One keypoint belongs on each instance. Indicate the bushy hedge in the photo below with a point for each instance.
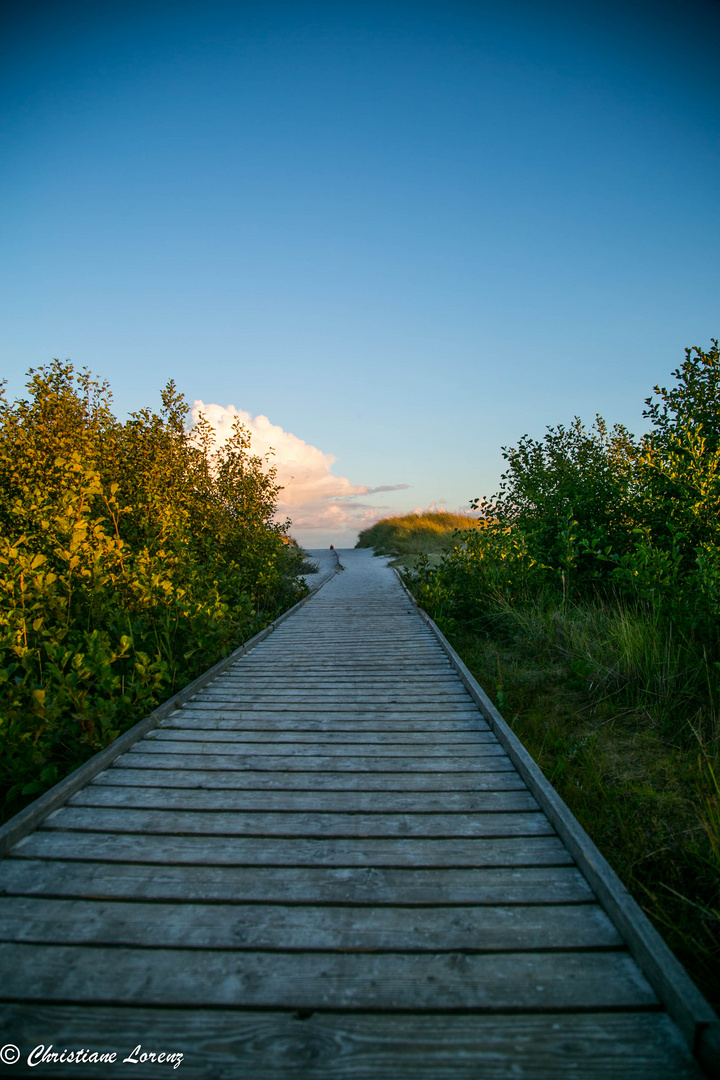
(132, 557)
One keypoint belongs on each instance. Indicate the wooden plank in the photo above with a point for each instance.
(351, 653)
(303, 679)
(318, 744)
(449, 886)
(337, 694)
(492, 982)
(279, 823)
(374, 637)
(336, 630)
(439, 664)
(339, 738)
(300, 928)
(187, 720)
(272, 1045)
(264, 851)
(158, 757)
(502, 777)
(325, 687)
(438, 670)
(450, 709)
(351, 802)
(326, 683)
(374, 642)
(370, 751)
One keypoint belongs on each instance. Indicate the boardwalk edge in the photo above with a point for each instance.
(28, 819)
(695, 1017)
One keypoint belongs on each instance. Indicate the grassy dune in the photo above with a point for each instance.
(415, 534)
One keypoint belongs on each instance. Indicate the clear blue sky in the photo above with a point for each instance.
(406, 232)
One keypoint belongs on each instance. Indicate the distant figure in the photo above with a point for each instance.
(332, 548)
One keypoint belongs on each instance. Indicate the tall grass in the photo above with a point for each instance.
(611, 705)
(416, 534)
(619, 653)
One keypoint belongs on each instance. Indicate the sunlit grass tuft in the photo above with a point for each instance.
(416, 534)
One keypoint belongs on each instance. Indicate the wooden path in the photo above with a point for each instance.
(328, 864)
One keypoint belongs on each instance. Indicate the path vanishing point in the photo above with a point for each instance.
(330, 859)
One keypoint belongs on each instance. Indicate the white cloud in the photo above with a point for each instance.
(438, 507)
(312, 497)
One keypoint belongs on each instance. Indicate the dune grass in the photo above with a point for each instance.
(415, 534)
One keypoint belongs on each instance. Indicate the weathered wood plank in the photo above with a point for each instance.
(501, 778)
(325, 749)
(385, 647)
(158, 757)
(329, 677)
(438, 671)
(227, 1044)
(300, 928)
(448, 886)
(349, 654)
(418, 709)
(439, 665)
(256, 851)
(337, 636)
(279, 823)
(492, 982)
(199, 720)
(350, 802)
(340, 694)
(391, 743)
(356, 666)
(331, 738)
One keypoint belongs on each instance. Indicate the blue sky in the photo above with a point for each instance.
(407, 233)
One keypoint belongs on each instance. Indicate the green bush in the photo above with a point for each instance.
(132, 557)
(588, 514)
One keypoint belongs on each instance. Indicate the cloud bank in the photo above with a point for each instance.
(312, 496)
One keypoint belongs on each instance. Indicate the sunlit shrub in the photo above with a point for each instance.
(132, 557)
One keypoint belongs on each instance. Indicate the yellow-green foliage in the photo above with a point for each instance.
(416, 534)
(132, 556)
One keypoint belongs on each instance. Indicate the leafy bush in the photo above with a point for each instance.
(588, 514)
(132, 557)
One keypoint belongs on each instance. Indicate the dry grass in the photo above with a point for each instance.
(416, 534)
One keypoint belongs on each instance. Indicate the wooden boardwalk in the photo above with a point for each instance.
(328, 864)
